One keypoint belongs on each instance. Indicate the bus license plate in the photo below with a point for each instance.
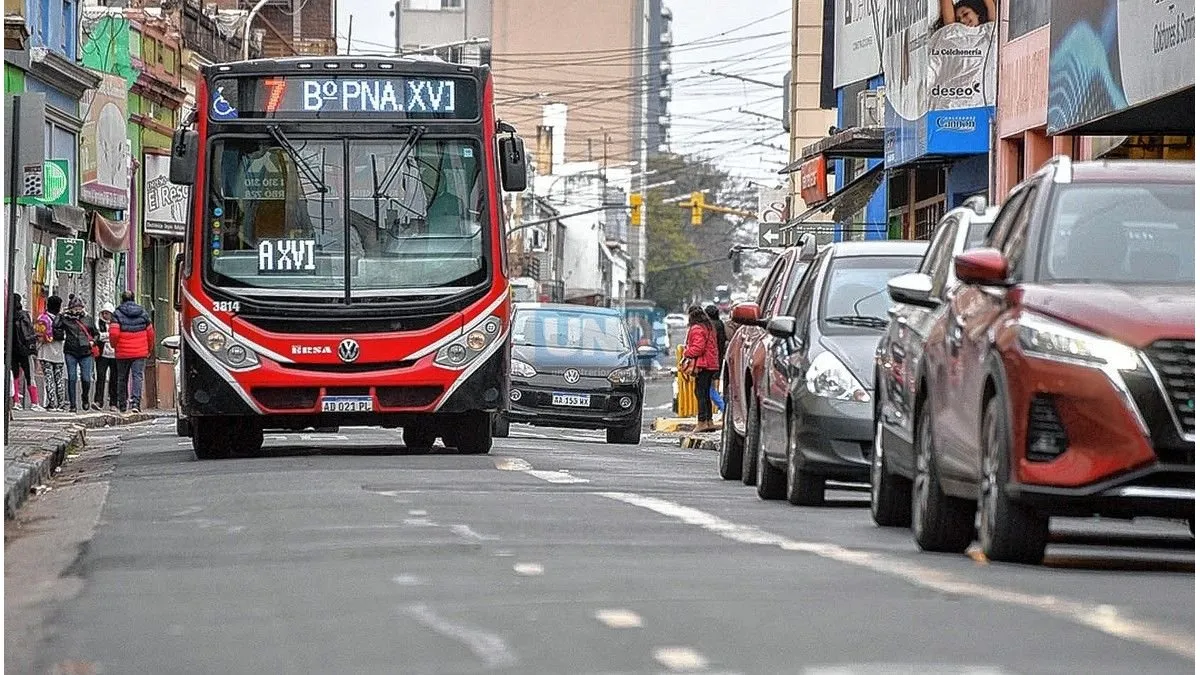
(347, 404)
(572, 400)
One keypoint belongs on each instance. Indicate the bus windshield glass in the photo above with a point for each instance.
(325, 217)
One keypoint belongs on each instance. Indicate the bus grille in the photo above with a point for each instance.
(407, 397)
(286, 398)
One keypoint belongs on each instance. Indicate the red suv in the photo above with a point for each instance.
(1061, 381)
(745, 356)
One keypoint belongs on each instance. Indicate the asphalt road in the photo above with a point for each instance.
(557, 553)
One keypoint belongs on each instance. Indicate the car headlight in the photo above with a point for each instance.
(624, 376)
(469, 346)
(1040, 336)
(828, 377)
(227, 348)
(522, 369)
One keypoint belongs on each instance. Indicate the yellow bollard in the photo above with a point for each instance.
(685, 402)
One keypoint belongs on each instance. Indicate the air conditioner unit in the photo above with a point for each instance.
(870, 107)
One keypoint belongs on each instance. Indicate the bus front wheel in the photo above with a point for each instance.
(472, 434)
(221, 438)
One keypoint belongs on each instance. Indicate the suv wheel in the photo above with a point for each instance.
(891, 495)
(729, 461)
(750, 447)
(1008, 531)
(939, 522)
(772, 483)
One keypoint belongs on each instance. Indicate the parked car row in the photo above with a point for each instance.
(1038, 361)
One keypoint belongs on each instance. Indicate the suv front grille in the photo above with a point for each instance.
(1175, 361)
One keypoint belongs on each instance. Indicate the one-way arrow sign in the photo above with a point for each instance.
(769, 236)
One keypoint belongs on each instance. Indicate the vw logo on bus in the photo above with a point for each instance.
(571, 376)
(348, 350)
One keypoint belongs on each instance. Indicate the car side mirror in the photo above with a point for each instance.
(647, 352)
(185, 153)
(747, 314)
(982, 266)
(512, 162)
(782, 327)
(913, 289)
(170, 342)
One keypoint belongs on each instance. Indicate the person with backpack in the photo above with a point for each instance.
(132, 336)
(50, 355)
(106, 365)
(80, 348)
(25, 345)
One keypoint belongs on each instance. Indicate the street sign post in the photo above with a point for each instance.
(769, 235)
(68, 255)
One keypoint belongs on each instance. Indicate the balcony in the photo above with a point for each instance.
(667, 38)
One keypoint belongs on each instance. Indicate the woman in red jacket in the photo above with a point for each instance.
(702, 348)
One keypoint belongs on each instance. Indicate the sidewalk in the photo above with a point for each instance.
(684, 427)
(38, 443)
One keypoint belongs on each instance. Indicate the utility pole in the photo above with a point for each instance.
(250, 19)
(13, 190)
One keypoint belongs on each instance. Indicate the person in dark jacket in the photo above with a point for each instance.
(79, 337)
(25, 345)
(106, 365)
(722, 336)
(132, 336)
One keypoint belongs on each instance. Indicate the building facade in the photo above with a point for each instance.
(451, 24)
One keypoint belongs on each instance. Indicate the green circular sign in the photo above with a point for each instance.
(54, 183)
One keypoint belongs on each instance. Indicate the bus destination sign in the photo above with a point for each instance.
(343, 96)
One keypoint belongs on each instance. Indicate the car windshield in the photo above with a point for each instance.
(857, 287)
(290, 216)
(1127, 234)
(567, 329)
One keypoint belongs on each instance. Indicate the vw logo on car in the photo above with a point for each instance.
(571, 375)
(348, 350)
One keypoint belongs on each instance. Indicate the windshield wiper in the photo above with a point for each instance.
(402, 156)
(311, 174)
(860, 321)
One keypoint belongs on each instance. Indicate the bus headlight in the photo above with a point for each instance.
(227, 348)
(466, 348)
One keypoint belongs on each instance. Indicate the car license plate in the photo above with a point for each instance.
(572, 400)
(347, 404)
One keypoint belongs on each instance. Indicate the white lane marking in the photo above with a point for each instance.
(560, 477)
(418, 512)
(664, 406)
(408, 580)
(308, 438)
(1103, 618)
(902, 669)
(527, 434)
(529, 569)
(582, 439)
(466, 532)
(489, 648)
(680, 659)
(618, 618)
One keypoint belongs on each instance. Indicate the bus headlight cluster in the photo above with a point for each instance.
(467, 348)
(223, 345)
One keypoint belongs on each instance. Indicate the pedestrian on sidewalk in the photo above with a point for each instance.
(132, 336)
(714, 392)
(25, 347)
(702, 350)
(80, 348)
(50, 355)
(106, 365)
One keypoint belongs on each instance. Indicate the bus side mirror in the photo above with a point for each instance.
(512, 164)
(178, 281)
(185, 152)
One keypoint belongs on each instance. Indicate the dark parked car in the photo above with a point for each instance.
(574, 366)
(921, 303)
(1062, 379)
(815, 406)
(745, 356)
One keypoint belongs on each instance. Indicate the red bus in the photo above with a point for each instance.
(345, 257)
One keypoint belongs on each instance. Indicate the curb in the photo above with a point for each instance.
(695, 442)
(674, 425)
(40, 458)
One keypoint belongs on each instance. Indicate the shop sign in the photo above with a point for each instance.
(934, 62)
(1150, 55)
(1024, 64)
(814, 181)
(103, 147)
(855, 48)
(165, 202)
(68, 255)
(55, 184)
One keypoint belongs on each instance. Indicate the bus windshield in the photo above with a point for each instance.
(329, 217)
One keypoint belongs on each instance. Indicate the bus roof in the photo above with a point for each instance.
(416, 63)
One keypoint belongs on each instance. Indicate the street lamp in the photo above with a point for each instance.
(246, 31)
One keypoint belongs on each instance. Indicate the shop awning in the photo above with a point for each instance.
(61, 220)
(843, 204)
(858, 142)
(112, 235)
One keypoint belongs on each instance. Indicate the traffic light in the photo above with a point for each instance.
(697, 208)
(635, 214)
